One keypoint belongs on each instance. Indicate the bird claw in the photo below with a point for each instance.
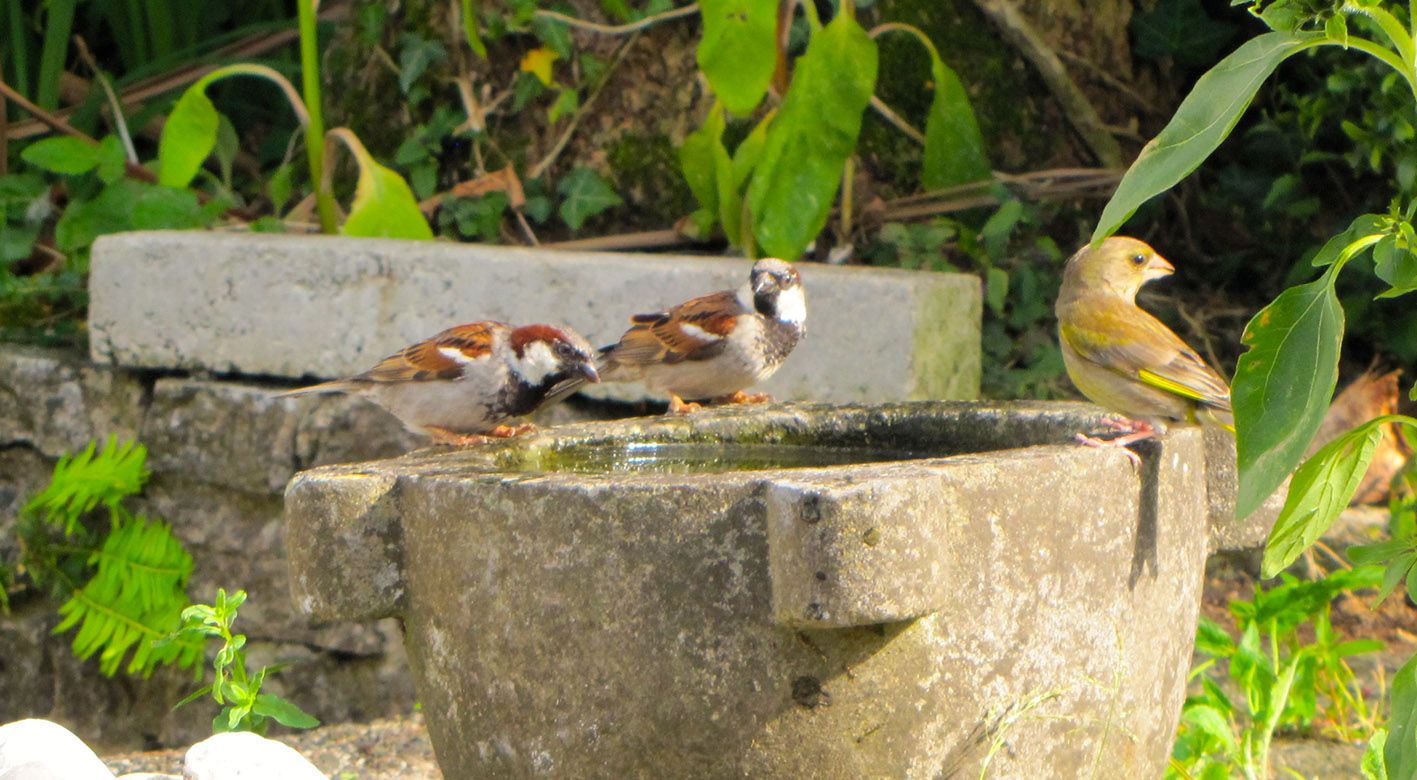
(1117, 443)
(449, 438)
(678, 405)
(741, 397)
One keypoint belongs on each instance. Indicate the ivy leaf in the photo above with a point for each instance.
(416, 53)
(585, 195)
(1321, 488)
(954, 147)
(1203, 120)
(62, 154)
(188, 136)
(567, 101)
(1281, 390)
(383, 204)
(811, 138)
(738, 52)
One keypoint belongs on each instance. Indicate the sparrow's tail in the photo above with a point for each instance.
(337, 386)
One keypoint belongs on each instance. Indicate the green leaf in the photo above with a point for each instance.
(700, 157)
(1395, 264)
(810, 140)
(1321, 488)
(188, 136)
(730, 192)
(1213, 723)
(1283, 385)
(584, 195)
(166, 208)
(567, 101)
(62, 154)
(416, 53)
(383, 204)
(1400, 750)
(470, 31)
(954, 147)
(738, 51)
(112, 159)
(1359, 232)
(1213, 640)
(1374, 767)
(283, 712)
(1203, 120)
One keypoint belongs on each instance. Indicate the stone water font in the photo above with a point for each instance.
(909, 590)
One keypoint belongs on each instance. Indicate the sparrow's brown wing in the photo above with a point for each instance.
(442, 357)
(694, 330)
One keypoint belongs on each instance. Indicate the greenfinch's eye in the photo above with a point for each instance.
(1138, 260)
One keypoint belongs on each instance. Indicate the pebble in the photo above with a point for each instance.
(37, 749)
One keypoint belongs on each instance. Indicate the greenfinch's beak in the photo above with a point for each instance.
(1158, 268)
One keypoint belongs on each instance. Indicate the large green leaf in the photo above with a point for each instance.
(954, 147)
(1321, 488)
(188, 136)
(811, 138)
(1400, 752)
(699, 159)
(383, 204)
(1283, 385)
(1204, 119)
(738, 52)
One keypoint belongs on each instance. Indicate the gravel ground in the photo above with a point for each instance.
(381, 750)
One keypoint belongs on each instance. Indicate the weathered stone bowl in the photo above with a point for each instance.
(990, 593)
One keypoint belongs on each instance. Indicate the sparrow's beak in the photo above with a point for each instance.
(588, 371)
(762, 284)
(1158, 268)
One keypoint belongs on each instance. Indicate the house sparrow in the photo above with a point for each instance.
(462, 385)
(1124, 359)
(717, 345)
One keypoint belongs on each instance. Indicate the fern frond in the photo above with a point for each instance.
(86, 479)
(134, 600)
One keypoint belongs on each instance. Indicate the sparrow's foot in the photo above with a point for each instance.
(741, 397)
(454, 439)
(1093, 441)
(449, 438)
(678, 405)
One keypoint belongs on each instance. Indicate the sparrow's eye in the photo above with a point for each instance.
(1139, 260)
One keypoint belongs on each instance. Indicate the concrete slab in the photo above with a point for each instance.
(319, 306)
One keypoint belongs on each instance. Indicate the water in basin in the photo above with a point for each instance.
(686, 458)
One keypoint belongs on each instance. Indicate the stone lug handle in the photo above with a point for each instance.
(344, 539)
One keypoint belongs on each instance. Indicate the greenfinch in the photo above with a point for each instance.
(1124, 359)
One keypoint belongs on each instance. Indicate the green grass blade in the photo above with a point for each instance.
(58, 24)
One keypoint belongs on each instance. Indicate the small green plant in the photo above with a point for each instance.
(244, 706)
(124, 585)
(775, 191)
(1284, 682)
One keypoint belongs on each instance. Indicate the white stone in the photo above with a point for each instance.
(241, 755)
(38, 749)
(320, 306)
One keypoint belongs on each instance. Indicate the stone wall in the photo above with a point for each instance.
(220, 453)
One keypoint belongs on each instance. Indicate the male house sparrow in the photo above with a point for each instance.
(716, 345)
(1121, 357)
(462, 385)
